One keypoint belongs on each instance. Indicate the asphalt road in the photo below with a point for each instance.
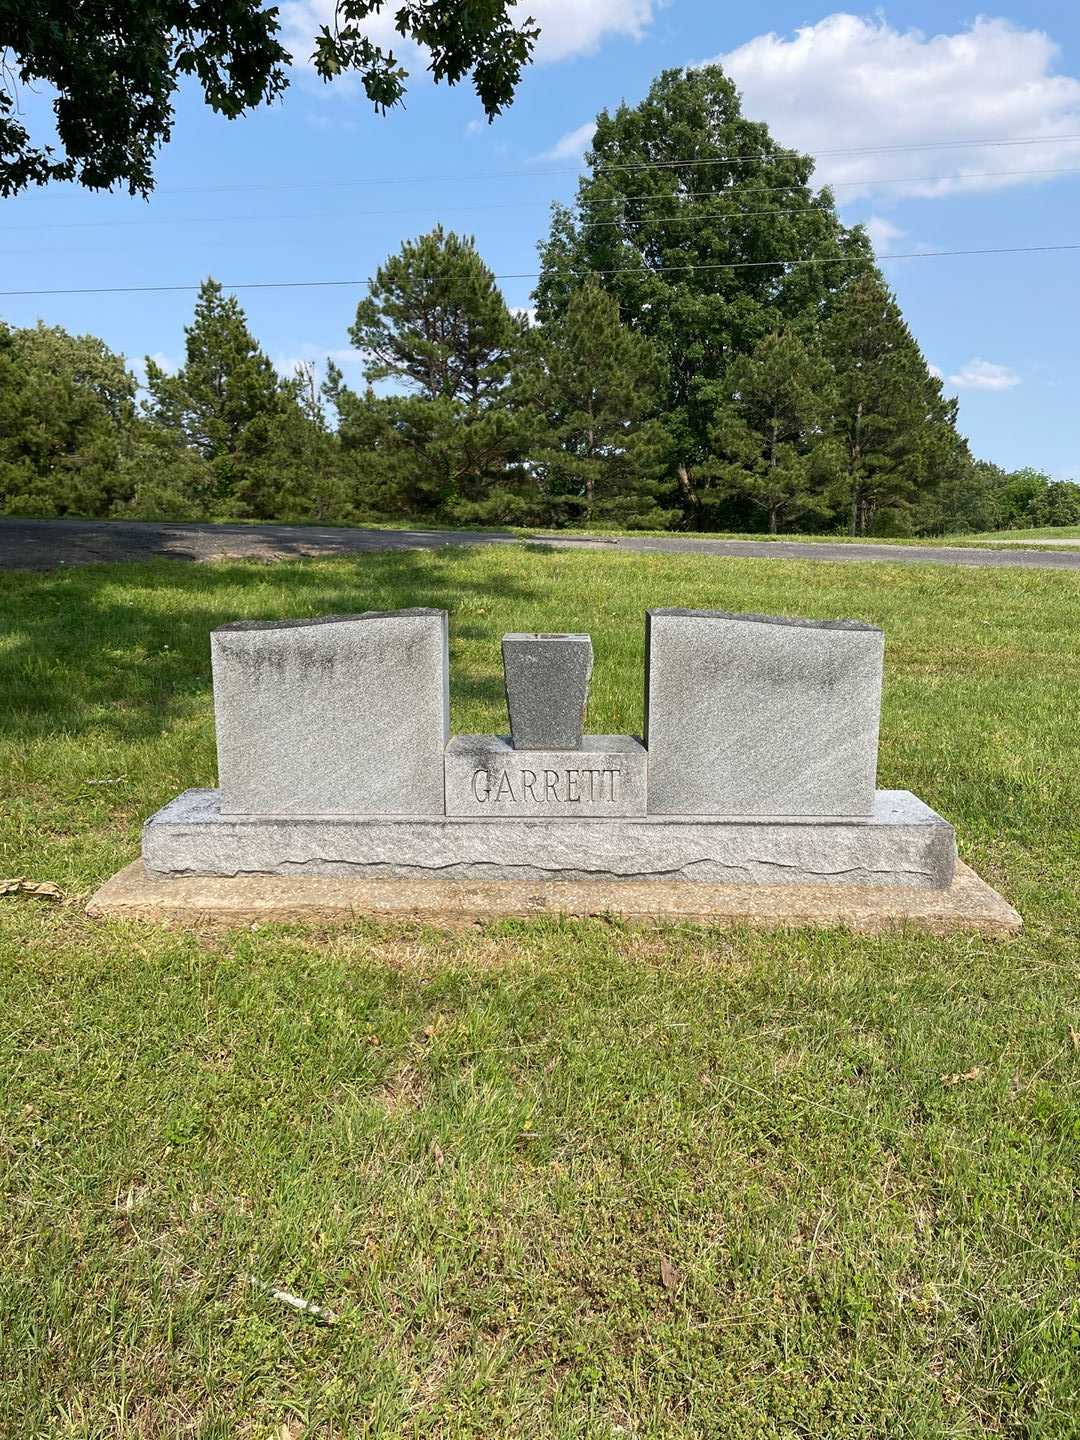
(49, 544)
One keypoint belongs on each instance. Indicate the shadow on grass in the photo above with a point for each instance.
(124, 650)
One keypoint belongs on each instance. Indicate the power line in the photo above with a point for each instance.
(526, 204)
(913, 147)
(535, 274)
(817, 154)
(809, 208)
(538, 174)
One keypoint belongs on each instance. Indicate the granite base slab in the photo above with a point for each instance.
(967, 905)
(902, 843)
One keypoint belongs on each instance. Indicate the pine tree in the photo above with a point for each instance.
(67, 422)
(436, 322)
(889, 416)
(226, 384)
(437, 327)
(378, 474)
(688, 215)
(767, 439)
(595, 384)
(289, 461)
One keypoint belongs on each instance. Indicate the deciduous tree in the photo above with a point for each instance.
(709, 234)
(116, 66)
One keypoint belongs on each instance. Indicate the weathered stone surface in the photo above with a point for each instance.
(968, 904)
(347, 715)
(547, 687)
(756, 715)
(903, 843)
(487, 776)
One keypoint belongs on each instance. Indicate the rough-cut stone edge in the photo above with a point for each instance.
(306, 623)
(968, 905)
(795, 621)
(904, 842)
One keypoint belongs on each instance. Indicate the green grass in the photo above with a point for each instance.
(1046, 532)
(479, 1148)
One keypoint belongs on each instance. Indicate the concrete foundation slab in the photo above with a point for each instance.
(902, 843)
(968, 904)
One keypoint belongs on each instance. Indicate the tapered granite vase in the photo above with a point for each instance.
(547, 685)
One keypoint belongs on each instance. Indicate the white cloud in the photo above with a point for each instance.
(984, 375)
(936, 371)
(883, 233)
(168, 363)
(576, 27)
(567, 27)
(851, 82)
(573, 144)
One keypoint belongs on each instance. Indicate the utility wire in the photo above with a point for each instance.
(648, 165)
(817, 154)
(645, 271)
(526, 204)
(809, 208)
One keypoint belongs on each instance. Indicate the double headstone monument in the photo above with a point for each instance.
(757, 766)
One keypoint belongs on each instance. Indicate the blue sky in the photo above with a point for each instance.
(319, 188)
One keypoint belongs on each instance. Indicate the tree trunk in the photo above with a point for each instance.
(686, 485)
(590, 479)
(856, 460)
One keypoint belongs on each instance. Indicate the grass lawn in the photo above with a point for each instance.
(1045, 532)
(553, 1179)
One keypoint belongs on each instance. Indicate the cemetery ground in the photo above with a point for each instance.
(551, 1178)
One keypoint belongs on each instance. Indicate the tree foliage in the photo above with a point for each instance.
(66, 412)
(436, 321)
(461, 37)
(436, 324)
(116, 66)
(714, 348)
(595, 385)
(895, 431)
(769, 441)
(699, 224)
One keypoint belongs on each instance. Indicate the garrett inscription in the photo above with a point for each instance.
(486, 776)
(547, 787)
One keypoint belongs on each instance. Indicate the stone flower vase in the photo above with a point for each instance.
(547, 685)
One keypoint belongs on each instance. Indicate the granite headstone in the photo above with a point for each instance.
(347, 715)
(755, 715)
(547, 686)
